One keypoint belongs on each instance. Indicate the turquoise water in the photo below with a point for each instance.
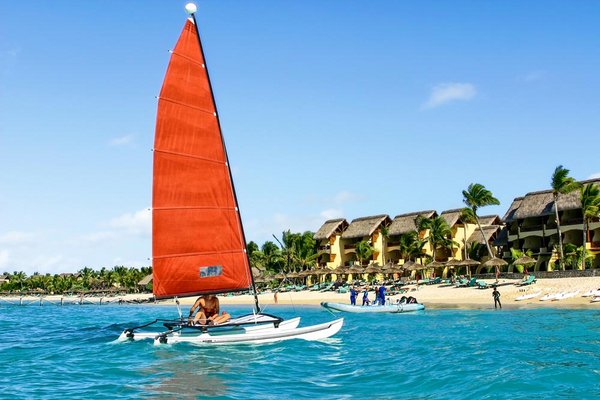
(54, 352)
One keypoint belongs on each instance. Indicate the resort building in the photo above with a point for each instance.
(329, 243)
(531, 226)
(404, 223)
(367, 229)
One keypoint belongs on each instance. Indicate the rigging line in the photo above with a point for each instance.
(175, 153)
(179, 103)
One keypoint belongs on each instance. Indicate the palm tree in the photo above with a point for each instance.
(467, 217)
(590, 206)
(411, 246)
(364, 251)
(562, 183)
(440, 233)
(477, 196)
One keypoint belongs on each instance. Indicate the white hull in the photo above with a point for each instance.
(591, 293)
(562, 296)
(314, 332)
(391, 308)
(528, 296)
(258, 333)
(596, 299)
(549, 296)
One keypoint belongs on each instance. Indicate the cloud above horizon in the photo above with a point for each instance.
(122, 141)
(448, 92)
(594, 176)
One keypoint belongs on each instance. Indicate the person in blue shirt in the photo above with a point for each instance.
(353, 294)
(382, 295)
(365, 297)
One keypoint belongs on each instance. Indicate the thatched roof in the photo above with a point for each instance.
(406, 222)
(330, 227)
(502, 238)
(538, 204)
(490, 220)
(147, 279)
(488, 232)
(510, 214)
(365, 226)
(452, 216)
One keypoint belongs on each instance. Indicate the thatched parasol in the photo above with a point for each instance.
(323, 271)
(278, 276)
(260, 279)
(355, 270)
(453, 263)
(469, 263)
(293, 275)
(525, 260)
(371, 269)
(305, 273)
(340, 271)
(412, 266)
(495, 262)
(435, 264)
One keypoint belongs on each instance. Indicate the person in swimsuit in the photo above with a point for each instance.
(208, 311)
(496, 296)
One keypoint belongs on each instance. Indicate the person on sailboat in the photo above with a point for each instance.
(208, 311)
(353, 294)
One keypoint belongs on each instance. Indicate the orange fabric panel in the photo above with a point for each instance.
(195, 223)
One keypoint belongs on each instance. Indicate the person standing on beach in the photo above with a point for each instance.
(365, 297)
(353, 294)
(496, 296)
(382, 295)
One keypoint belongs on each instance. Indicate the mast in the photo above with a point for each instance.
(191, 9)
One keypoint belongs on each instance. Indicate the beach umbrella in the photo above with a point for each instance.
(278, 276)
(323, 271)
(293, 275)
(495, 262)
(259, 279)
(453, 263)
(412, 266)
(371, 269)
(435, 264)
(524, 260)
(469, 263)
(339, 271)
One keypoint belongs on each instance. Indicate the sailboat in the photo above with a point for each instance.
(198, 241)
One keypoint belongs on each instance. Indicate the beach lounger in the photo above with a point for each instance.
(483, 285)
(530, 279)
(461, 282)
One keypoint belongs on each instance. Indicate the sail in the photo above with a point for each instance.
(198, 245)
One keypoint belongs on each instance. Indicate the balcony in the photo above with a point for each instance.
(532, 228)
(349, 248)
(323, 249)
(571, 221)
(593, 246)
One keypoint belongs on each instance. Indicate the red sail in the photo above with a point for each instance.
(197, 239)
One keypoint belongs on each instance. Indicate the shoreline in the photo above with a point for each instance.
(432, 296)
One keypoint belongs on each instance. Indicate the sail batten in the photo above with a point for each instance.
(197, 237)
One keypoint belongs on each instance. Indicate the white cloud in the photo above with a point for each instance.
(447, 92)
(4, 259)
(594, 176)
(532, 76)
(345, 197)
(138, 223)
(122, 141)
(16, 237)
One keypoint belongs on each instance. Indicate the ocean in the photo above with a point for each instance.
(68, 352)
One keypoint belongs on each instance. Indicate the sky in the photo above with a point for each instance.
(328, 108)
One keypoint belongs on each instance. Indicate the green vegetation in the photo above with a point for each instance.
(87, 279)
(561, 183)
(590, 206)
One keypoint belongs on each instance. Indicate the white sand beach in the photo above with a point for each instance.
(433, 296)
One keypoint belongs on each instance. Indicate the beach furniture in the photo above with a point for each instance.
(483, 285)
(530, 279)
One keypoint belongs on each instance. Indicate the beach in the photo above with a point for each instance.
(441, 296)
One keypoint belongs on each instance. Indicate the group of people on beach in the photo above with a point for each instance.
(380, 298)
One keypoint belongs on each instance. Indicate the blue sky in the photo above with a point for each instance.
(329, 109)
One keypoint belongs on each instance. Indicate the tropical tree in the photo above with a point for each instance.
(467, 217)
(590, 206)
(411, 245)
(475, 197)
(516, 254)
(364, 251)
(440, 233)
(561, 183)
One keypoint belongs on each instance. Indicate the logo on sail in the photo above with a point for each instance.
(211, 271)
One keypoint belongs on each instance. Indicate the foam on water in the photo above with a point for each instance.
(57, 352)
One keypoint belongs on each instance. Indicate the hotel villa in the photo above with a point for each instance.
(528, 226)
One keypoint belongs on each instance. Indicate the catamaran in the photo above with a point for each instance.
(198, 241)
